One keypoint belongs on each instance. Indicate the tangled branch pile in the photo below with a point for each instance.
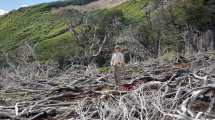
(157, 91)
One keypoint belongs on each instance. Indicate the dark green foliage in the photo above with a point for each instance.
(209, 11)
(3, 61)
(195, 12)
(101, 60)
(127, 57)
(198, 13)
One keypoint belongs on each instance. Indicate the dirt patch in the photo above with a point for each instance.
(100, 4)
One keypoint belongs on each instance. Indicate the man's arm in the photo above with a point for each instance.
(122, 59)
(112, 59)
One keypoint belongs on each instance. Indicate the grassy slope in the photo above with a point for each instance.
(133, 10)
(35, 25)
(38, 25)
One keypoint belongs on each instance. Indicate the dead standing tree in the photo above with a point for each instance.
(155, 27)
(95, 40)
(89, 44)
(198, 41)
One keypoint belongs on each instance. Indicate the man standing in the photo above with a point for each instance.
(117, 61)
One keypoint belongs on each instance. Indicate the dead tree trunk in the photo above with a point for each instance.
(209, 40)
(158, 43)
(187, 40)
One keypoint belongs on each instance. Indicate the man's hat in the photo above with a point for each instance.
(117, 47)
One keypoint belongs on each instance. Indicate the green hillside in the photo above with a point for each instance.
(39, 25)
(47, 31)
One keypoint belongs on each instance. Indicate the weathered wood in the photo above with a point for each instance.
(151, 90)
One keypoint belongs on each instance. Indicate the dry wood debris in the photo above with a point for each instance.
(157, 91)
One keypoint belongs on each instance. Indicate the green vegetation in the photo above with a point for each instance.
(60, 45)
(48, 34)
(133, 10)
(104, 70)
(36, 27)
(168, 56)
